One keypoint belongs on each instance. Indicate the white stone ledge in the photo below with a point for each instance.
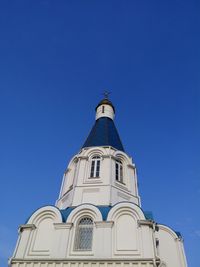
(63, 225)
(104, 224)
(83, 157)
(131, 166)
(26, 227)
(93, 260)
(151, 224)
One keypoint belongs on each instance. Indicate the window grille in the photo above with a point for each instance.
(95, 167)
(84, 234)
(119, 171)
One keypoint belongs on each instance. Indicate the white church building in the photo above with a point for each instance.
(97, 220)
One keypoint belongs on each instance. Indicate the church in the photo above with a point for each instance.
(97, 220)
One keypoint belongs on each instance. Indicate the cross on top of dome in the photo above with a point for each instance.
(106, 94)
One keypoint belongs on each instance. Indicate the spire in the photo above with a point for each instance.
(104, 132)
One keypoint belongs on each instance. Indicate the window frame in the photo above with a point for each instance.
(119, 171)
(81, 230)
(95, 167)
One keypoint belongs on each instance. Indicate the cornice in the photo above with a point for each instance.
(26, 227)
(151, 224)
(83, 157)
(63, 225)
(131, 166)
(104, 224)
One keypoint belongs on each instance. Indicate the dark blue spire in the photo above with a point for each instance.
(104, 132)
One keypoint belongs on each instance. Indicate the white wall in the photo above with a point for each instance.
(125, 234)
(120, 235)
(170, 247)
(78, 187)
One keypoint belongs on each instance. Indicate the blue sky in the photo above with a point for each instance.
(56, 59)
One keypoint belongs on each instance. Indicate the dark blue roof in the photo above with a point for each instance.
(148, 215)
(104, 133)
(65, 213)
(103, 209)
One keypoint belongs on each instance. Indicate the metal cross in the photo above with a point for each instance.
(106, 94)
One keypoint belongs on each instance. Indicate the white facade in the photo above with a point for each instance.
(79, 187)
(97, 220)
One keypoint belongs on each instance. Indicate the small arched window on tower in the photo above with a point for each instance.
(84, 234)
(119, 171)
(95, 167)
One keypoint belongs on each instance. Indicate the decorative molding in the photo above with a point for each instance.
(131, 166)
(121, 186)
(106, 156)
(104, 224)
(26, 227)
(59, 226)
(67, 170)
(94, 260)
(91, 190)
(149, 223)
(124, 196)
(69, 189)
(145, 222)
(83, 157)
(180, 239)
(93, 180)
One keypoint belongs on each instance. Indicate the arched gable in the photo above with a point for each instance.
(122, 156)
(41, 239)
(170, 247)
(72, 162)
(168, 230)
(90, 152)
(125, 206)
(97, 151)
(84, 210)
(45, 212)
(127, 236)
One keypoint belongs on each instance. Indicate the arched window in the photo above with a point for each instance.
(119, 171)
(84, 234)
(95, 167)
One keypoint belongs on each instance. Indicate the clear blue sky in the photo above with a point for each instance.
(56, 58)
